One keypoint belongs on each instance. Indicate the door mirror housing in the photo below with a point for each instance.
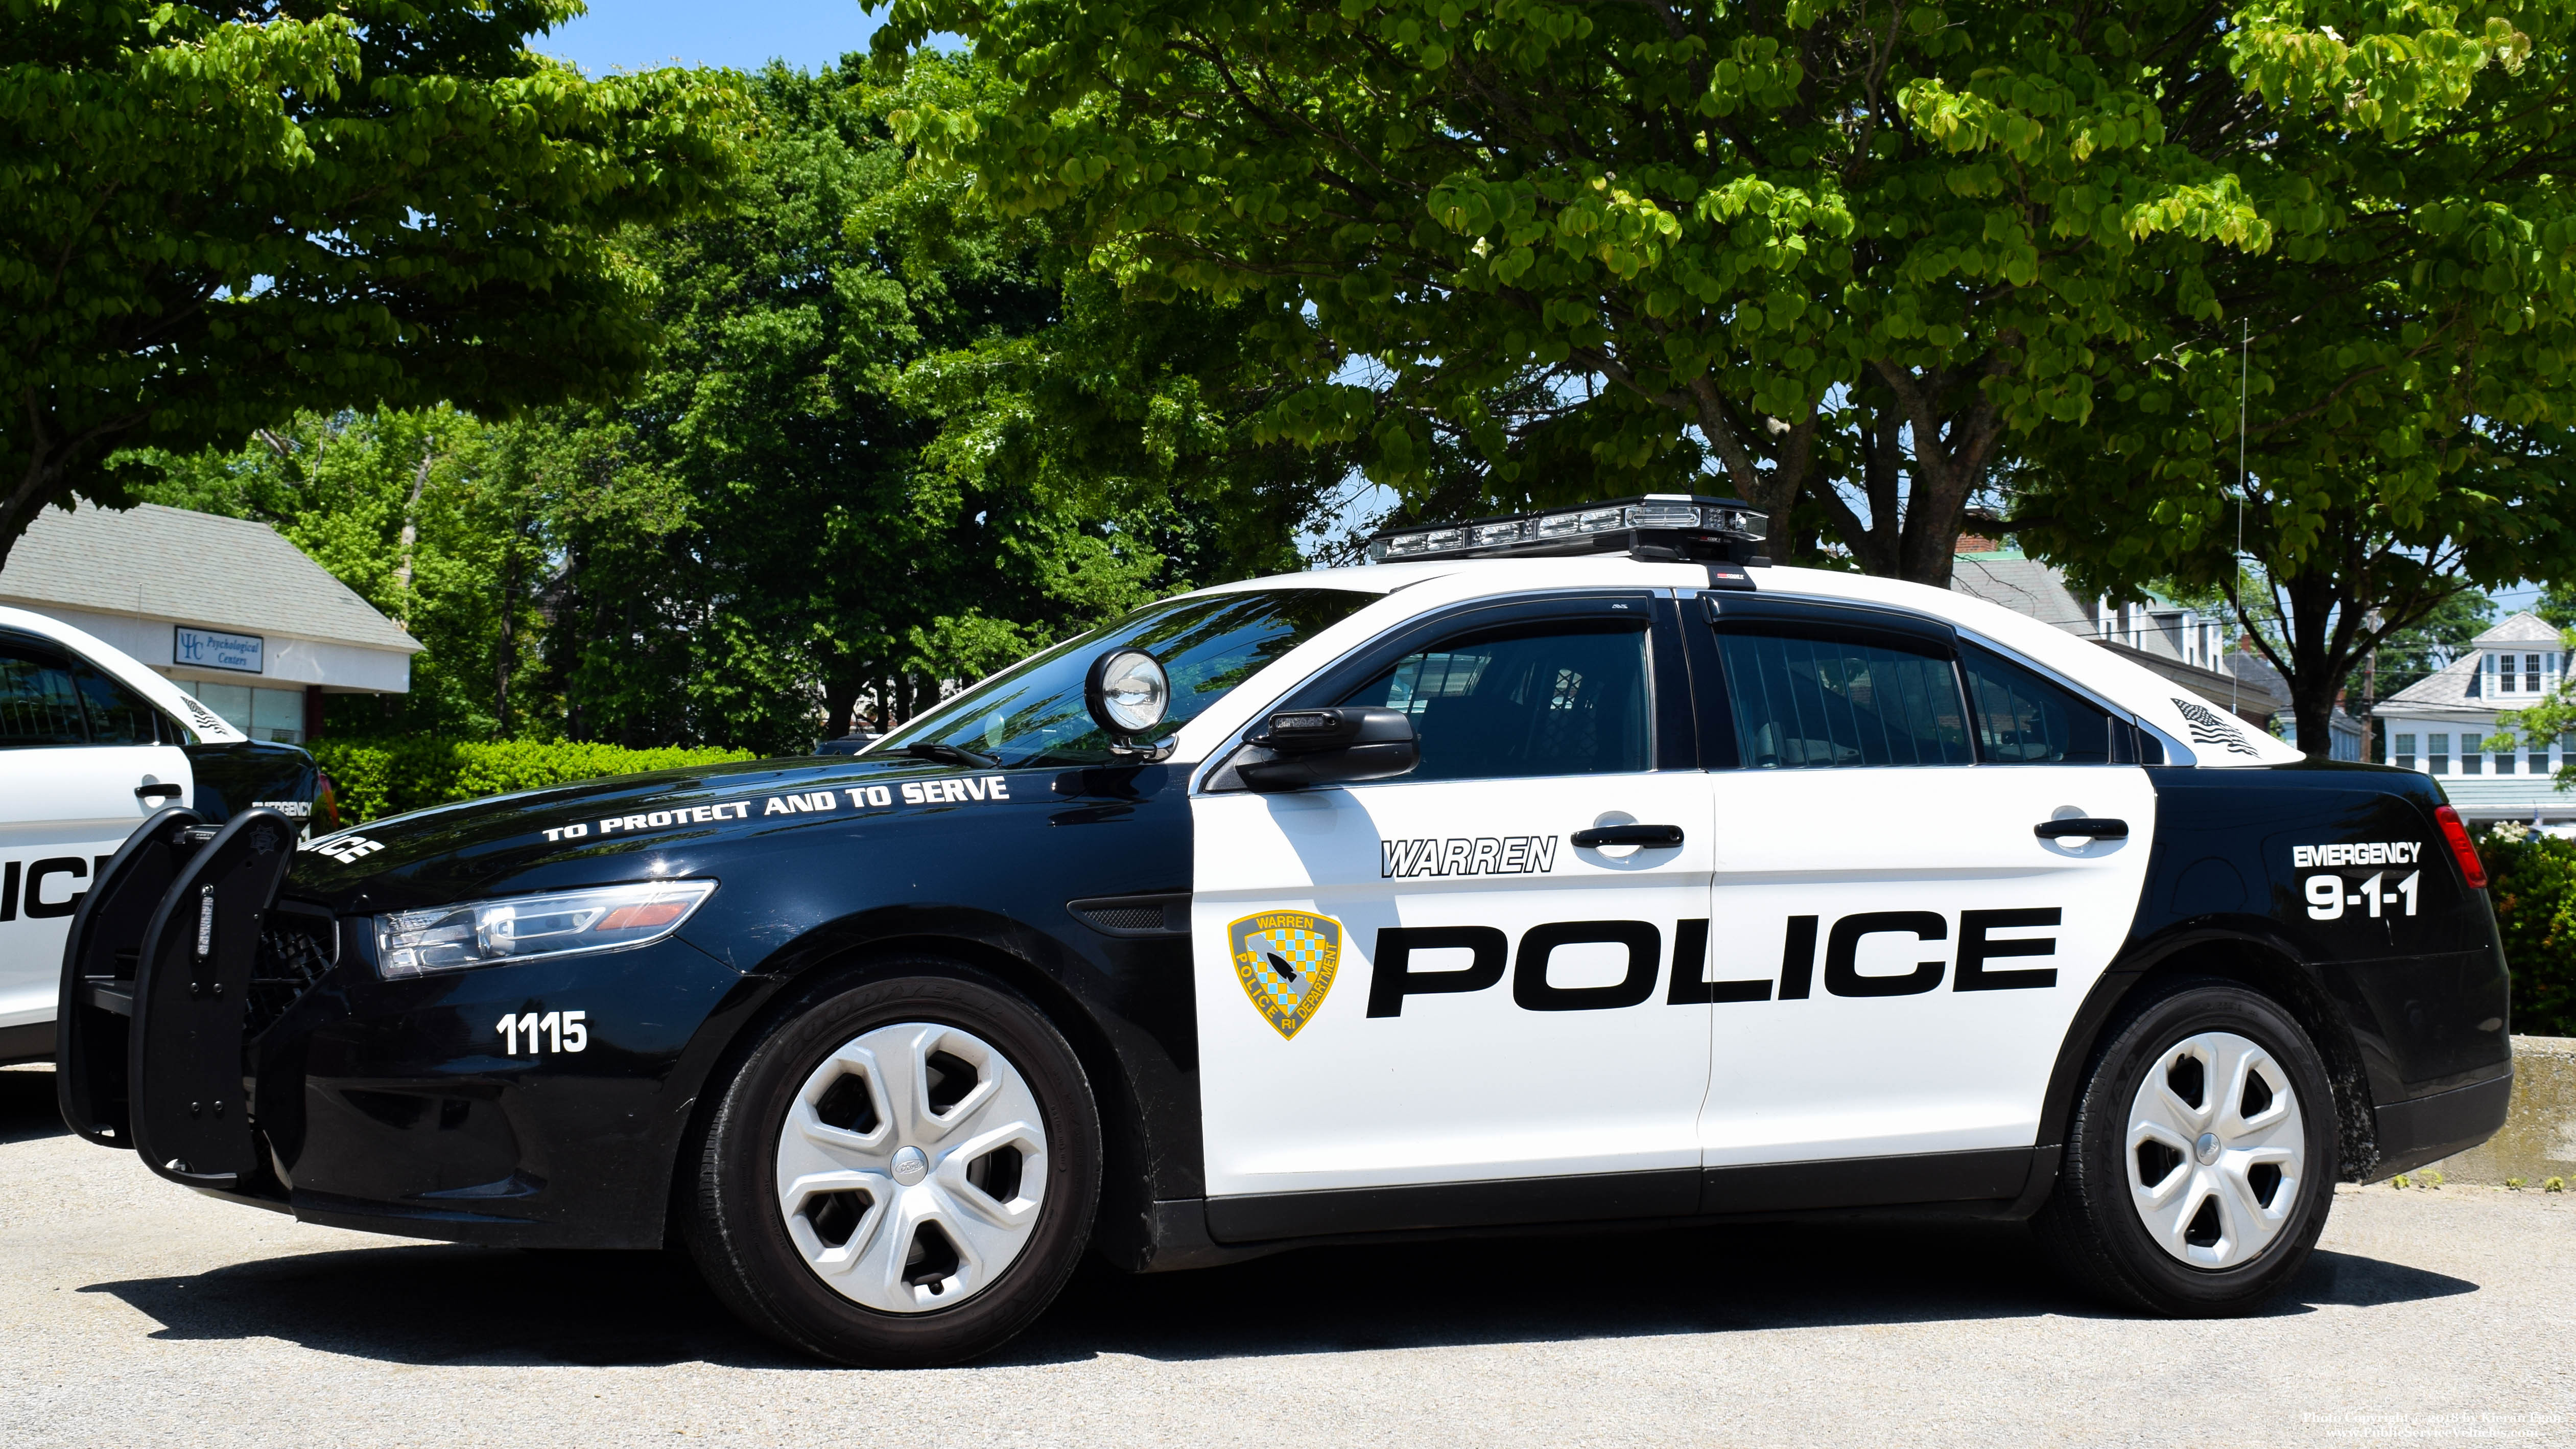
(1341, 745)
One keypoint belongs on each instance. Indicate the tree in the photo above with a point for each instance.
(2398, 355)
(431, 516)
(213, 215)
(1850, 249)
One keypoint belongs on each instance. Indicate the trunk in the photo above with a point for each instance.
(1913, 533)
(839, 700)
(411, 531)
(509, 641)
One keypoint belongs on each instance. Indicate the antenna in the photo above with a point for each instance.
(2244, 351)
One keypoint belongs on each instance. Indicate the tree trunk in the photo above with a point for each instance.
(509, 638)
(411, 529)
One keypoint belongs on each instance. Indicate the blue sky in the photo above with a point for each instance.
(745, 34)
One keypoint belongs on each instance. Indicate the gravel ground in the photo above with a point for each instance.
(134, 1311)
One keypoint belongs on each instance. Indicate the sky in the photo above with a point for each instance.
(743, 34)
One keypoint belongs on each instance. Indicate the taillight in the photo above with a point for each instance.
(2461, 850)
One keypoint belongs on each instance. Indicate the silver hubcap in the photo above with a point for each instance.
(2217, 1151)
(911, 1167)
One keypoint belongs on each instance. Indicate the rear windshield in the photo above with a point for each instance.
(1033, 714)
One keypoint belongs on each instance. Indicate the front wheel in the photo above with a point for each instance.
(902, 1173)
(2201, 1160)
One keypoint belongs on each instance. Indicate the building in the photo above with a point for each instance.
(2444, 723)
(2172, 639)
(233, 612)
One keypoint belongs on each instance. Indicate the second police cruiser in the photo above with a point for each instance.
(1577, 867)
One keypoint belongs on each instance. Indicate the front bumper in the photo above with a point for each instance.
(312, 1085)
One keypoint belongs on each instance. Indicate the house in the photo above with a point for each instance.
(2444, 723)
(227, 607)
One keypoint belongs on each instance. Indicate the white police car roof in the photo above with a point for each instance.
(2209, 736)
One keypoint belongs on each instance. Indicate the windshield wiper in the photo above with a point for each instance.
(951, 755)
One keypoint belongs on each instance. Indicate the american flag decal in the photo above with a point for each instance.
(2208, 727)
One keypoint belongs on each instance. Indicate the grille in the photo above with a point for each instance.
(1167, 915)
(293, 954)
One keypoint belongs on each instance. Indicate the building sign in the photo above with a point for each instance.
(214, 649)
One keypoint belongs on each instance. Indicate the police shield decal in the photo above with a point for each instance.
(1286, 960)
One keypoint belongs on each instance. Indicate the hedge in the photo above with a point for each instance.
(377, 778)
(2532, 881)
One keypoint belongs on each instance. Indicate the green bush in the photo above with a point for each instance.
(377, 778)
(2532, 880)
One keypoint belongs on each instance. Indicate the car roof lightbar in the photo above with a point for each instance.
(1657, 526)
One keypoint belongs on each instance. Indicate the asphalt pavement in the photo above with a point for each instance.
(133, 1311)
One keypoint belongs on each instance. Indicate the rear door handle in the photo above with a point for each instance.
(2082, 825)
(146, 792)
(1628, 835)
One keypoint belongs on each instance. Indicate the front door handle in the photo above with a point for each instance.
(2082, 825)
(146, 792)
(1628, 835)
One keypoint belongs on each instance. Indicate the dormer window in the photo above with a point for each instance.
(2504, 674)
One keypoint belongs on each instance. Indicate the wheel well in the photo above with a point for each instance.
(2266, 971)
(1123, 1186)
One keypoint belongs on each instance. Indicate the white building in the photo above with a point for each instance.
(2442, 725)
(235, 613)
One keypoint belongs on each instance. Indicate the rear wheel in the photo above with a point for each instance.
(903, 1172)
(2201, 1161)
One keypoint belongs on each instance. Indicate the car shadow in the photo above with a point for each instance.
(482, 1306)
(28, 1110)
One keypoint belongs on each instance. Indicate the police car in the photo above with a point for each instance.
(91, 744)
(1571, 868)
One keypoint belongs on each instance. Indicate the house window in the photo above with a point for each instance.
(2531, 671)
(2504, 759)
(2472, 759)
(2438, 754)
(2504, 674)
(2405, 752)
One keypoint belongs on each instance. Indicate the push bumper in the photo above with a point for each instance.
(246, 1046)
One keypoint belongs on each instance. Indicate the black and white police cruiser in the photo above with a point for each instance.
(91, 744)
(1574, 868)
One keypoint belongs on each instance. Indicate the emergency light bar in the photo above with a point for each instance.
(1654, 526)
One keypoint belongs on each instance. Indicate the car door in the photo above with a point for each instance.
(1898, 951)
(1430, 979)
(81, 764)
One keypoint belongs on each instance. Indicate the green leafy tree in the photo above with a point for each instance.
(1850, 250)
(2405, 402)
(431, 516)
(213, 215)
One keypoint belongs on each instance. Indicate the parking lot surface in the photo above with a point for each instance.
(134, 1311)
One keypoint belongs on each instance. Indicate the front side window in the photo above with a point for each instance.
(1552, 700)
(2023, 719)
(39, 702)
(1033, 715)
(1802, 702)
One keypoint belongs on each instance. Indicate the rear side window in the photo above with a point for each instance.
(1816, 701)
(1551, 701)
(2023, 719)
(39, 703)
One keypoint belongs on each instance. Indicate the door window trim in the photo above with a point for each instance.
(1852, 618)
(1669, 701)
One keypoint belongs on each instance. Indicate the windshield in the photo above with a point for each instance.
(1033, 715)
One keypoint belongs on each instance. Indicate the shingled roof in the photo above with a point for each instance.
(169, 563)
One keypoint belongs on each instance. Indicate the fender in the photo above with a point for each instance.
(2206, 945)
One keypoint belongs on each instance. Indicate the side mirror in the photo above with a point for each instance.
(1128, 694)
(1338, 746)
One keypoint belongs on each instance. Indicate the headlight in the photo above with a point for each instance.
(560, 923)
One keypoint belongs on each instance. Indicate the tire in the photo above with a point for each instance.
(903, 1171)
(2203, 1096)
